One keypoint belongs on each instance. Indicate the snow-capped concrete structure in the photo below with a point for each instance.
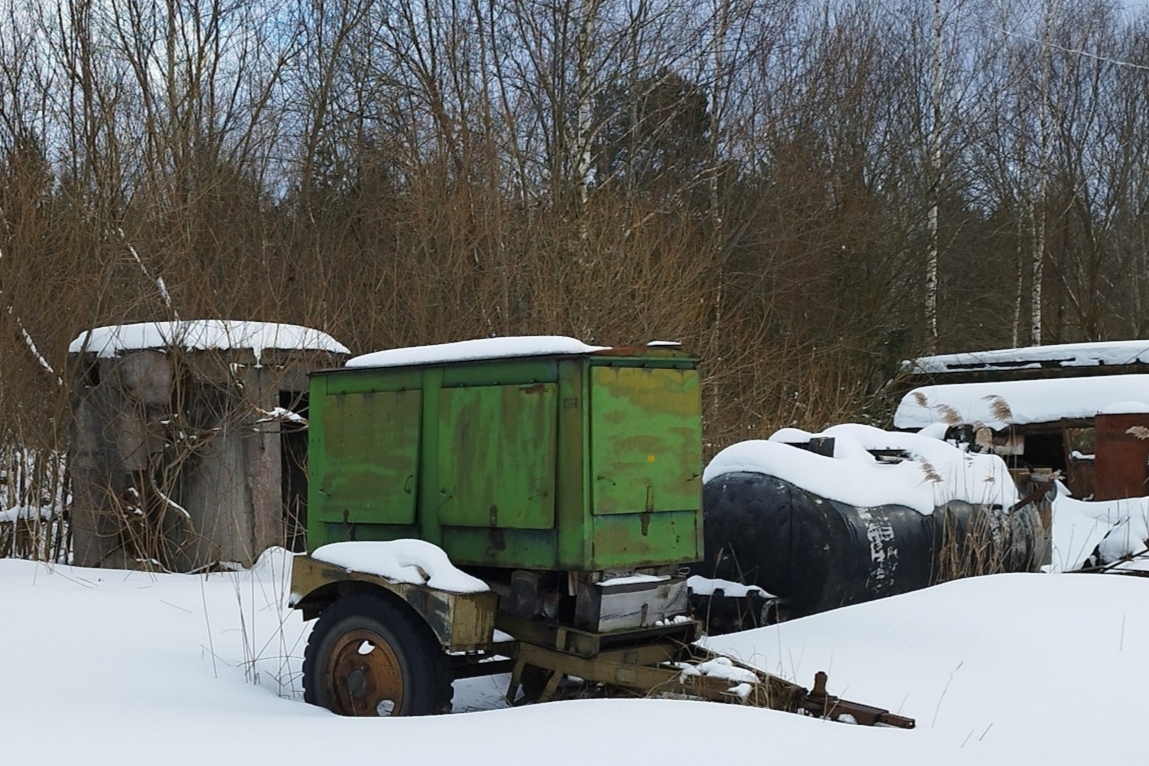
(188, 441)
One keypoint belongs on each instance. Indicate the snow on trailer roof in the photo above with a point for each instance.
(1000, 404)
(1035, 357)
(476, 350)
(202, 335)
(933, 473)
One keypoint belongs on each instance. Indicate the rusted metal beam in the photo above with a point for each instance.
(668, 669)
(818, 702)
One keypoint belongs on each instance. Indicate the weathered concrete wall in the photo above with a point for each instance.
(171, 466)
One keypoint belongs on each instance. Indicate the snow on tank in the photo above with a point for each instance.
(1099, 533)
(931, 473)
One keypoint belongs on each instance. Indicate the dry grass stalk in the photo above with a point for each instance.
(1000, 408)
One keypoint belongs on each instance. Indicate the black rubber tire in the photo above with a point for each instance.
(349, 680)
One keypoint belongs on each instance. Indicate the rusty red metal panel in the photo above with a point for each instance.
(1121, 468)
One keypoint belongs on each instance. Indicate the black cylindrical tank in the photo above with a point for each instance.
(816, 554)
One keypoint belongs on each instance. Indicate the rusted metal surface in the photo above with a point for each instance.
(1121, 467)
(461, 621)
(818, 702)
(669, 669)
(367, 467)
(645, 439)
(364, 676)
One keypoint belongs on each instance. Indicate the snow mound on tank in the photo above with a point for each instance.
(918, 471)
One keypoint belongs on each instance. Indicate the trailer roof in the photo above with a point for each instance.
(1022, 402)
(1110, 353)
(475, 350)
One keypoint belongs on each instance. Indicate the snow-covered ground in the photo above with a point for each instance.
(110, 667)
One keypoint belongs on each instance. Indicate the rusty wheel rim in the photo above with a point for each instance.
(365, 677)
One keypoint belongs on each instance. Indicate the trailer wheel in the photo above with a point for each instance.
(373, 656)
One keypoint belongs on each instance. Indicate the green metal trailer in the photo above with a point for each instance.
(575, 462)
(567, 478)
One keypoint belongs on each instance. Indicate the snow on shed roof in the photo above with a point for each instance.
(473, 350)
(203, 334)
(1022, 402)
(1035, 357)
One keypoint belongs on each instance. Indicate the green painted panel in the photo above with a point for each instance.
(496, 456)
(573, 511)
(517, 548)
(646, 539)
(367, 471)
(338, 532)
(367, 380)
(500, 372)
(646, 440)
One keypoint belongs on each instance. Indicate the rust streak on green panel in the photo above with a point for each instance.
(496, 460)
(503, 372)
(510, 548)
(344, 382)
(431, 498)
(574, 534)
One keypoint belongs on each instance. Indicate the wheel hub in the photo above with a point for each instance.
(365, 676)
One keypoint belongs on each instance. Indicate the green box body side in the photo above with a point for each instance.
(568, 463)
